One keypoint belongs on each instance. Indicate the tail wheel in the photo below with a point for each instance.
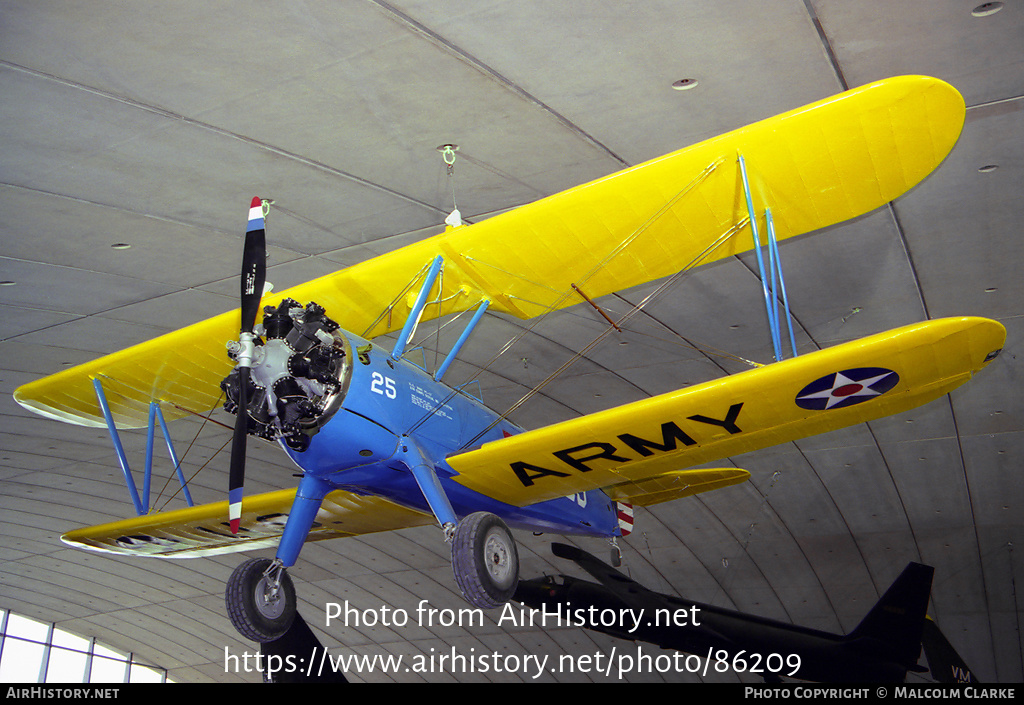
(485, 560)
(260, 600)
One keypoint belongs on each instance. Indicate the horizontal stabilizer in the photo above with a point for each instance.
(675, 484)
(622, 586)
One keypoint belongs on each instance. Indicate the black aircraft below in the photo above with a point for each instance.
(884, 647)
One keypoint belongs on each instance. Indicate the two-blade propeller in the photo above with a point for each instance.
(254, 274)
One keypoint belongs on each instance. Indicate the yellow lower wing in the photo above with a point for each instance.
(203, 530)
(814, 166)
(881, 375)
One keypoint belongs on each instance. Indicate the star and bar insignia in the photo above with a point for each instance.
(846, 388)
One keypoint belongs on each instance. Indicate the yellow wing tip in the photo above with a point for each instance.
(989, 338)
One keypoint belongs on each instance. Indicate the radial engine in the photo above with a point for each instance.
(298, 375)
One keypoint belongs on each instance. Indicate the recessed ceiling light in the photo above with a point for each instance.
(988, 167)
(987, 8)
(991, 289)
(7, 283)
(120, 246)
(685, 84)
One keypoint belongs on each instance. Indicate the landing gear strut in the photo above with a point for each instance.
(260, 599)
(485, 560)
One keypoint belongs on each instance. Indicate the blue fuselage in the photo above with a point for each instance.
(393, 410)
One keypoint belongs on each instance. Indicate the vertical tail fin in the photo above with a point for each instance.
(896, 622)
(943, 660)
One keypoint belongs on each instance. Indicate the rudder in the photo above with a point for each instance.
(943, 660)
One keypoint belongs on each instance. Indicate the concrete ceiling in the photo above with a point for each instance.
(152, 123)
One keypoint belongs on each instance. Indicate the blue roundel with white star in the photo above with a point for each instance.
(846, 388)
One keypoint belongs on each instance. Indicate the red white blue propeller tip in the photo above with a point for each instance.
(256, 210)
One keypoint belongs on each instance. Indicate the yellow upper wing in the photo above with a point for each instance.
(815, 166)
(884, 374)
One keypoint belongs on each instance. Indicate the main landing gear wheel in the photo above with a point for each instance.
(485, 560)
(260, 599)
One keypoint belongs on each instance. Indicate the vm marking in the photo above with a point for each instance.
(579, 457)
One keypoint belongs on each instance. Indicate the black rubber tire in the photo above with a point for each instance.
(254, 617)
(485, 560)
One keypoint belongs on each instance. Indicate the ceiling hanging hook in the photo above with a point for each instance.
(448, 154)
(448, 151)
